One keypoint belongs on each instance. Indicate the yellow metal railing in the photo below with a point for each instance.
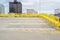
(52, 19)
(18, 15)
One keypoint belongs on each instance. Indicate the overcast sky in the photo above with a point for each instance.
(46, 6)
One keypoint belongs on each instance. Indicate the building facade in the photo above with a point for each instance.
(15, 7)
(31, 11)
(57, 12)
(2, 10)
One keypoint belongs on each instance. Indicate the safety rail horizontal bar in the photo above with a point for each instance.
(51, 20)
(18, 15)
(51, 16)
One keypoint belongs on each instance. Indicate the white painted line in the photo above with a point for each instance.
(27, 29)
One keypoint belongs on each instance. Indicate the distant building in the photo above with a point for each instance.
(2, 8)
(57, 12)
(15, 7)
(31, 11)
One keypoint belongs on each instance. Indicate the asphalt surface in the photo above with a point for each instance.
(24, 22)
(27, 28)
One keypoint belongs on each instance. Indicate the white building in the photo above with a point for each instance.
(31, 11)
(57, 11)
(2, 8)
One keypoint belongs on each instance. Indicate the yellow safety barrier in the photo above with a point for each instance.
(51, 19)
(18, 15)
(50, 16)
